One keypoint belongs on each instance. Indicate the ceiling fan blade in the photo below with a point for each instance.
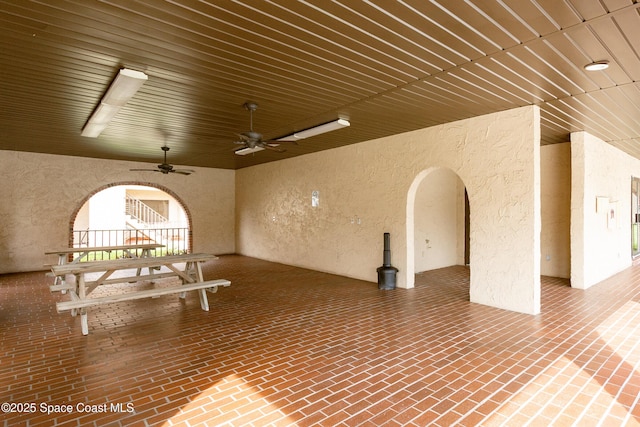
(183, 171)
(275, 141)
(165, 167)
(269, 147)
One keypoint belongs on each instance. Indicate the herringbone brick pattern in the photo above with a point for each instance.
(285, 346)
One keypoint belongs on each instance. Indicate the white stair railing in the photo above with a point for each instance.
(142, 212)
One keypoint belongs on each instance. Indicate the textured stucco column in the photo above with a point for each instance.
(600, 182)
(578, 230)
(504, 198)
(364, 191)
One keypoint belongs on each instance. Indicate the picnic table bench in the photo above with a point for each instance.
(81, 286)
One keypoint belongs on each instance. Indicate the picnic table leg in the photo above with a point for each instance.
(132, 255)
(59, 280)
(146, 253)
(190, 268)
(84, 321)
(187, 269)
(204, 302)
(82, 294)
(79, 258)
(74, 294)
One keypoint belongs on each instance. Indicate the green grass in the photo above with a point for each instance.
(104, 255)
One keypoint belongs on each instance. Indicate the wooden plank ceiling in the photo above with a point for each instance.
(389, 66)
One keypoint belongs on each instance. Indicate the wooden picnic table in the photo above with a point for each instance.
(130, 250)
(80, 289)
(82, 252)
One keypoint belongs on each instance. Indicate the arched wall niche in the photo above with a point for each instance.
(440, 193)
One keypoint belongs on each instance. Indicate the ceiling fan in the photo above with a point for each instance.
(165, 167)
(252, 139)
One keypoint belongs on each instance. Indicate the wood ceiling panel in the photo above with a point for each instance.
(437, 97)
(628, 95)
(490, 72)
(627, 110)
(442, 38)
(614, 5)
(455, 104)
(558, 62)
(550, 69)
(519, 75)
(408, 103)
(239, 58)
(383, 112)
(105, 83)
(562, 13)
(584, 114)
(368, 38)
(389, 66)
(343, 49)
(532, 16)
(588, 9)
(485, 81)
(573, 61)
(415, 41)
(620, 35)
(482, 26)
(588, 42)
(473, 90)
(553, 125)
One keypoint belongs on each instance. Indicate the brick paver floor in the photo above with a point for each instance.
(286, 346)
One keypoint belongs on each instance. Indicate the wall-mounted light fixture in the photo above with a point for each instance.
(122, 89)
(317, 130)
(597, 66)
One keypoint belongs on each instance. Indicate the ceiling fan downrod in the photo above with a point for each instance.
(251, 106)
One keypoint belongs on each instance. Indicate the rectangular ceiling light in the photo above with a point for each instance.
(245, 151)
(307, 133)
(122, 89)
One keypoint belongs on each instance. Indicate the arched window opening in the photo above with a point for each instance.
(131, 214)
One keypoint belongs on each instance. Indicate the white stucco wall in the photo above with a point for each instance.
(369, 188)
(41, 191)
(600, 247)
(555, 245)
(107, 210)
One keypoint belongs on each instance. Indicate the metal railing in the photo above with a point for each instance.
(175, 240)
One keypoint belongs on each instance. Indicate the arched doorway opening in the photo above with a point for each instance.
(438, 226)
(132, 213)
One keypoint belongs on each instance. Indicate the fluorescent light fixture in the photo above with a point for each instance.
(307, 133)
(247, 150)
(597, 66)
(122, 89)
